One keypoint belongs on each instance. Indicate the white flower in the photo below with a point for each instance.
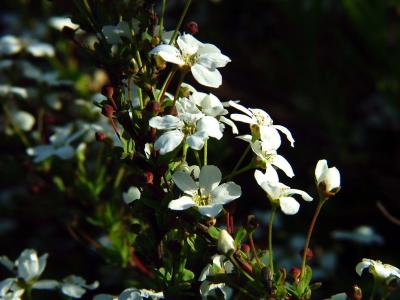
(10, 45)
(328, 179)
(362, 235)
(59, 144)
(59, 23)
(225, 242)
(262, 124)
(23, 120)
(219, 266)
(7, 90)
(75, 286)
(9, 290)
(29, 265)
(270, 157)
(131, 195)
(202, 59)
(123, 29)
(132, 294)
(207, 195)
(377, 269)
(279, 193)
(190, 123)
(210, 105)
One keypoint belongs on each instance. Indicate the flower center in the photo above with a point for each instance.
(262, 119)
(190, 60)
(201, 200)
(189, 129)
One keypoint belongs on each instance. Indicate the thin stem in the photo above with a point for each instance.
(371, 297)
(253, 249)
(118, 178)
(164, 3)
(271, 221)
(28, 291)
(165, 85)
(184, 151)
(173, 38)
(241, 158)
(196, 154)
(309, 233)
(205, 153)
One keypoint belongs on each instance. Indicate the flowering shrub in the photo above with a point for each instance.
(142, 170)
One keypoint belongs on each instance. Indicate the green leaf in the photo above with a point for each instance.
(186, 275)
(213, 232)
(240, 235)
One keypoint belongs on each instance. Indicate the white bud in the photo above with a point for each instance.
(225, 242)
(328, 179)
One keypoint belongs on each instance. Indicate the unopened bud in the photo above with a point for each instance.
(100, 136)
(309, 254)
(108, 91)
(34, 188)
(154, 107)
(246, 249)
(211, 222)
(225, 242)
(149, 177)
(108, 110)
(296, 272)
(155, 41)
(192, 27)
(251, 223)
(355, 293)
(327, 179)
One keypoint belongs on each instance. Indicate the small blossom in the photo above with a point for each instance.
(190, 124)
(29, 265)
(202, 59)
(9, 290)
(207, 194)
(377, 269)
(132, 294)
(327, 179)
(225, 242)
(123, 29)
(219, 265)
(10, 45)
(59, 23)
(279, 193)
(75, 286)
(261, 125)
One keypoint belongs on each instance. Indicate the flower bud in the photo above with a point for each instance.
(296, 272)
(100, 136)
(309, 254)
(154, 107)
(225, 242)
(355, 293)
(246, 249)
(251, 223)
(149, 177)
(192, 27)
(327, 179)
(107, 91)
(108, 110)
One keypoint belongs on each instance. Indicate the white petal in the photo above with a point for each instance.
(205, 272)
(260, 177)
(169, 53)
(332, 179)
(41, 49)
(206, 77)
(24, 120)
(168, 141)
(241, 108)
(226, 192)
(42, 263)
(208, 49)
(210, 125)
(28, 264)
(165, 122)
(289, 205)
(10, 45)
(213, 60)
(130, 294)
(104, 297)
(72, 290)
(65, 152)
(271, 175)
(225, 242)
(210, 210)
(131, 195)
(46, 284)
(270, 137)
(304, 195)
(188, 44)
(243, 118)
(230, 123)
(111, 34)
(365, 263)
(196, 141)
(181, 203)
(281, 162)
(246, 137)
(209, 179)
(185, 182)
(321, 168)
(286, 132)
(6, 262)
(59, 23)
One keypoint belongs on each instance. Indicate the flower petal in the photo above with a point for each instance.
(185, 182)
(230, 123)
(165, 122)
(243, 118)
(289, 205)
(209, 179)
(260, 177)
(46, 284)
(181, 203)
(169, 53)
(241, 108)
(320, 169)
(286, 132)
(168, 141)
(41, 49)
(332, 179)
(281, 162)
(270, 137)
(188, 44)
(206, 77)
(226, 192)
(131, 195)
(365, 263)
(210, 210)
(213, 60)
(210, 125)
(196, 141)
(304, 195)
